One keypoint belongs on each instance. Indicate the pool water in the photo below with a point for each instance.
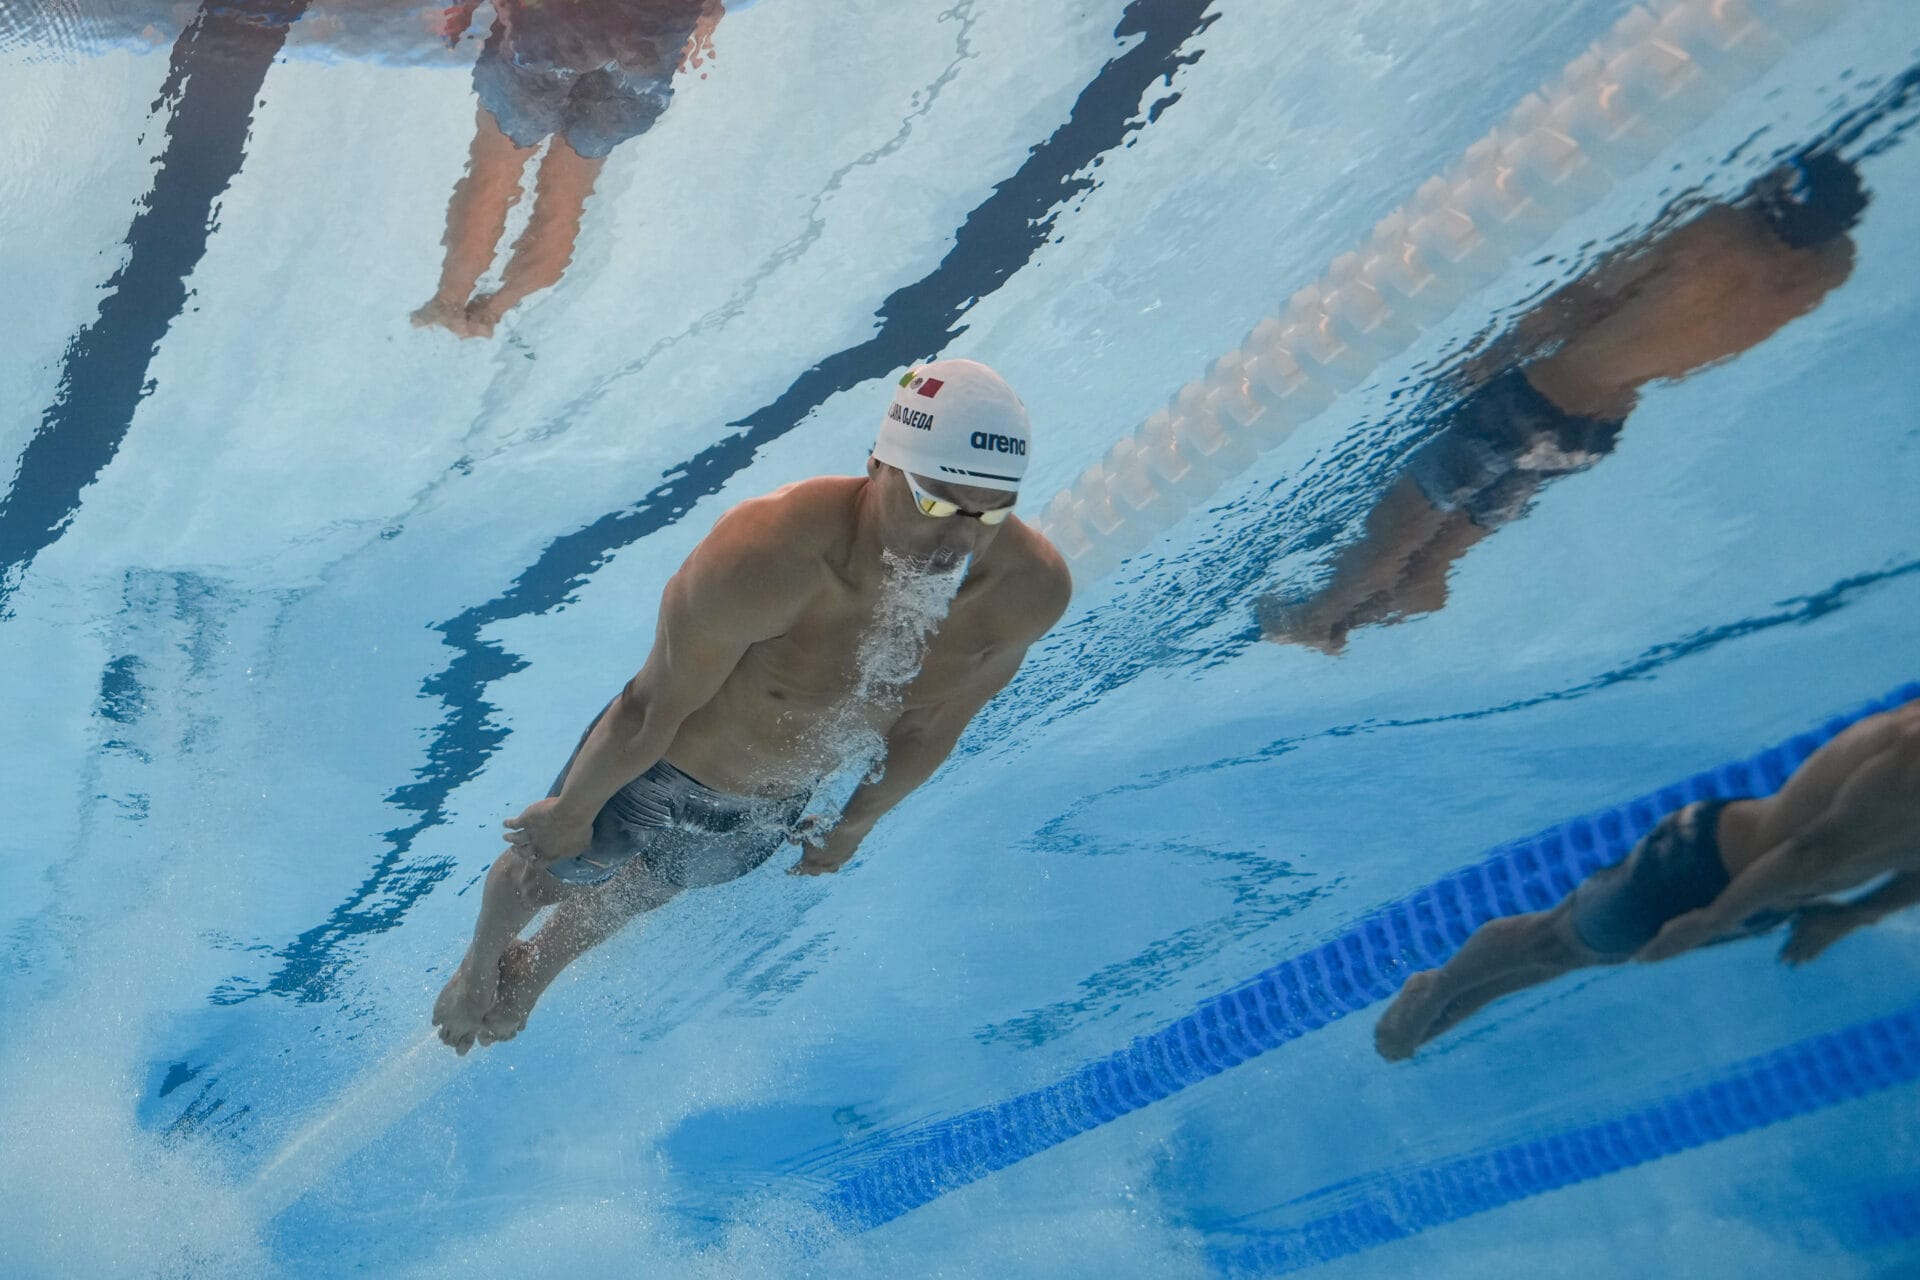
(300, 600)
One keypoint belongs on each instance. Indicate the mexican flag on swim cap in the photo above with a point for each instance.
(958, 422)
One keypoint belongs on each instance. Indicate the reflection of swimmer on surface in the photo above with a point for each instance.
(589, 74)
(1713, 287)
(837, 622)
(1711, 872)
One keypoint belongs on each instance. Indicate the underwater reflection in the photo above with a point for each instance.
(1551, 399)
(587, 75)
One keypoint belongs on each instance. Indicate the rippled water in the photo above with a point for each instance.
(300, 600)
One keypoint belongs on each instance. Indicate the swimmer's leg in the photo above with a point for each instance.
(515, 892)
(1503, 956)
(545, 248)
(1366, 573)
(476, 219)
(576, 926)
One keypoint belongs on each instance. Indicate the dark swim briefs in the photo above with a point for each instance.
(594, 108)
(1500, 445)
(687, 834)
(1675, 869)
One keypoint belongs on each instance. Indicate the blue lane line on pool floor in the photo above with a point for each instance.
(1365, 963)
(1803, 1077)
(219, 64)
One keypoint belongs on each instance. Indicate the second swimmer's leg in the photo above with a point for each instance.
(1503, 956)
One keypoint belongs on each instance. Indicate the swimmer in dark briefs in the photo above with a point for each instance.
(1712, 872)
(756, 689)
(1717, 285)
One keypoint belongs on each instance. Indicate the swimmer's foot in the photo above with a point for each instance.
(1302, 624)
(1409, 1021)
(464, 1003)
(520, 987)
(443, 313)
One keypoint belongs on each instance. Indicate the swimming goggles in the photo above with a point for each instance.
(941, 509)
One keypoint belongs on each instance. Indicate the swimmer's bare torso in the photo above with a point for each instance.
(755, 661)
(1713, 288)
(761, 732)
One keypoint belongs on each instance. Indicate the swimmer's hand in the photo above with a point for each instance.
(544, 832)
(1685, 932)
(824, 854)
(1817, 927)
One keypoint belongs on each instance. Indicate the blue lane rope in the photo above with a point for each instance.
(1806, 1076)
(1363, 964)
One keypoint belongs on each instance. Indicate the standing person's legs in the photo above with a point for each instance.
(544, 249)
(476, 218)
(603, 108)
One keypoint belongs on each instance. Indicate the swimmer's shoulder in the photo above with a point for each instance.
(1038, 584)
(795, 525)
(807, 514)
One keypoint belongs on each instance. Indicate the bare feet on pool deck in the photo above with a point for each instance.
(463, 1005)
(519, 988)
(1409, 1021)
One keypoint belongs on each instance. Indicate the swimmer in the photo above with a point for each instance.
(1711, 872)
(702, 767)
(1717, 285)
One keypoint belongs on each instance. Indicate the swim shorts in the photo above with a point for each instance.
(687, 834)
(1675, 869)
(1500, 445)
(594, 108)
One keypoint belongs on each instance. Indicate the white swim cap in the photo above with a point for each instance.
(958, 422)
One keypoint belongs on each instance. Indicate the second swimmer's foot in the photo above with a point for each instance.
(1408, 1021)
(1301, 624)
(464, 1003)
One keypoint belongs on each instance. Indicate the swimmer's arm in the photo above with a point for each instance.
(1820, 925)
(918, 744)
(921, 739)
(1897, 894)
(734, 591)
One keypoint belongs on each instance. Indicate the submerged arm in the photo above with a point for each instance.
(1897, 894)
(1819, 926)
(738, 587)
(918, 744)
(924, 736)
